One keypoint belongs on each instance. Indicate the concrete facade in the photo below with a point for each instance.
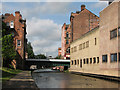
(84, 50)
(109, 21)
(18, 27)
(107, 48)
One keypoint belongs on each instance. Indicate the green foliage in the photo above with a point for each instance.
(30, 51)
(40, 56)
(58, 57)
(8, 50)
(8, 73)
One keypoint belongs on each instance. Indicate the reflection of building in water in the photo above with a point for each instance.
(98, 50)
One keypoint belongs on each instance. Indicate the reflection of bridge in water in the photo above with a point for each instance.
(46, 63)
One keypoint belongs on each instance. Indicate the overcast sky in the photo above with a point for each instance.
(45, 19)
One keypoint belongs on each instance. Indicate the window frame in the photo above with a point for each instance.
(112, 33)
(94, 60)
(90, 60)
(112, 54)
(19, 43)
(118, 31)
(105, 61)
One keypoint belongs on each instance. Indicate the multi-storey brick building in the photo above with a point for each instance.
(82, 22)
(59, 51)
(18, 29)
(65, 38)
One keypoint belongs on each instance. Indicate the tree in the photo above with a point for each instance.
(40, 56)
(30, 51)
(58, 57)
(8, 50)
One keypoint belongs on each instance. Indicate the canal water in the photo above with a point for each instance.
(47, 78)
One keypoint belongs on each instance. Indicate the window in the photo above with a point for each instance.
(87, 44)
(84, 61)
(72, 62)
(113, 33)
(80, 47)
(75, 48)
(113, 57)
(119, 56)
(95, 41)
(11, 24)
(67, 34)
(119, 31)
(97, 59)
(87, 60)
(18, 43)
(104, 58)
(94, 60)
(75, 62)
(68, 50)
(90, 60)
(67, 42)
(78, 62)
(83, 45)
(7, 24)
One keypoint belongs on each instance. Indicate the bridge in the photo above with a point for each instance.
(46, 63)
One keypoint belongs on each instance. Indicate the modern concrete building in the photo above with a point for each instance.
(17, 26)
(85, 52)
(109, 38)
(98, 50)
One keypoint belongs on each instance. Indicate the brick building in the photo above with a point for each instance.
(59, 51)
(65, 41)
(82, 22)
(17, 25)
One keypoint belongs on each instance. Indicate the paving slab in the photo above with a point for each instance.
(22, 81)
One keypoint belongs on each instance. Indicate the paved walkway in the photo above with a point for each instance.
(22, 81)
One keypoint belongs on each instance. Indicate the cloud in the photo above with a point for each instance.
(44, 8)
(44, 35)
(101, 4)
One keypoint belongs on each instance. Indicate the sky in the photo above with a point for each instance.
(45, 19)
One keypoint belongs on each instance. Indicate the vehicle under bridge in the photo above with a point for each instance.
(45, 63)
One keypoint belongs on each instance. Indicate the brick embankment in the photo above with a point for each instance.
(22, 81)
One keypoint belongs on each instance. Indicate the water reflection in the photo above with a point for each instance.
(52, 79)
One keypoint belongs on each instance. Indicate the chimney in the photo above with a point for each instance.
(82, 7)
(7, 14)
(17, 13)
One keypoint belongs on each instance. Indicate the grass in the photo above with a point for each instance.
(8, 73)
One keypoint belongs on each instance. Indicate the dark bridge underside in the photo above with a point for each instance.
(44, 64)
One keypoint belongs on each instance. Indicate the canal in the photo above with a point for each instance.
(47, 78)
